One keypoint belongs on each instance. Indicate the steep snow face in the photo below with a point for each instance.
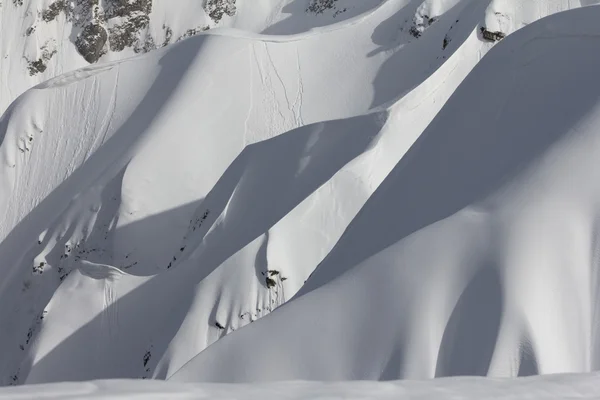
(478, 254)
(154, 205)
(157, 171)
(560, 387)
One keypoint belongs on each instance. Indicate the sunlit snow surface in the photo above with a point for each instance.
(378, 197)
(563, 387)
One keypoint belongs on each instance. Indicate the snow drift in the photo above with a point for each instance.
(152, 206)
(480, 247)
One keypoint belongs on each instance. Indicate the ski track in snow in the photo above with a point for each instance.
(111, 314)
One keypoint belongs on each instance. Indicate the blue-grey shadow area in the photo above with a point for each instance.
(173, 67)
(473, 147)
(528, 365)
(270, 178)
(393, 369)
(300, 20)
(254, 204)
(470, 336)
(413, 60)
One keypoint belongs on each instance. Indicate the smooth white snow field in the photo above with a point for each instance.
(559, 387)
(367, 192)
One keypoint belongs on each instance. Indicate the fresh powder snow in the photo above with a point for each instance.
(548, 387)
(238, 196)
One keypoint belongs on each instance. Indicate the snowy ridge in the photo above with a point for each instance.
(42, 39)
(155, 205)
(465, 308)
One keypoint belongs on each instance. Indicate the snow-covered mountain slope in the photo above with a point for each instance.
(151, 206)
(576, 386)
(480, 248)
(153, 160)
(45, 38)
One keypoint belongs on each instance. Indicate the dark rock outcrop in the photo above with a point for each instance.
(216, 9)
(90, 42)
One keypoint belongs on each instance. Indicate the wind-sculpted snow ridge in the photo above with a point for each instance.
(157, 171)
(560, 387)
(477, 255)
(152, 206)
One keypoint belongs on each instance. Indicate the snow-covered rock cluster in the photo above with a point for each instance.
(109, 25)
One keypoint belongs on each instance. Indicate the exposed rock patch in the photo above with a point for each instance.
(114, 24)
(193, 32)
(320, 6)
(420, 24)
(126, 34)
(100, 26)
(47, 51)
(54, 10)
(126, 8)
(90, 43)
(217, 9)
